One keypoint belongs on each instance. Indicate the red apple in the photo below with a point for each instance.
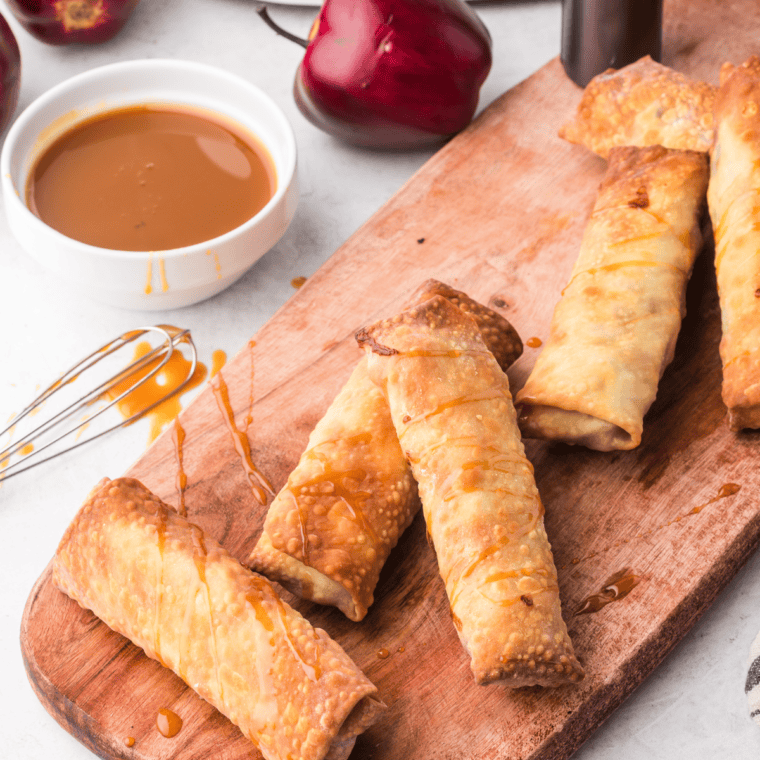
(393, 73)
(61, 22)
(10, 73)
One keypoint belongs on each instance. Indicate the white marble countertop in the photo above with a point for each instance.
(692, 706)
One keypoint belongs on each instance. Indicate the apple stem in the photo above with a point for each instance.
(262, 11)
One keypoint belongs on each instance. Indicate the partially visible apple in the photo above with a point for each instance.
(392, 73)
(62, 22)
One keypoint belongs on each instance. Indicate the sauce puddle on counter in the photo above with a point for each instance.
(151, 178)
(171, 376)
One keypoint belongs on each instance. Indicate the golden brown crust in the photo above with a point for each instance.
(614, 329)
(331, 528)
(158, 580)
(452, 410)
(497, 332)
(643, 104)
(329, 531)
(734, 200)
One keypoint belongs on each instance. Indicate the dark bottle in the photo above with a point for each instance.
(602, 34)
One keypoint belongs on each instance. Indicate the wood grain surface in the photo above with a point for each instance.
(498, 212)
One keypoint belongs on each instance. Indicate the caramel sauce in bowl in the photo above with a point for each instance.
(200, 166)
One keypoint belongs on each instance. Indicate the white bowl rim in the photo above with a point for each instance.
(49, 96)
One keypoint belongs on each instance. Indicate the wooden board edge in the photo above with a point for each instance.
(585, 722)
(66, 713)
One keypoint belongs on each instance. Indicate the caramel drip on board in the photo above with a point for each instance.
(726, 490)
(259, 484)
(178, 437)
(168, 722)
(533, 342)
(616, 587)
(129, 741)
(249, 417)
(383, 654)
(218, 360)
(298, 282)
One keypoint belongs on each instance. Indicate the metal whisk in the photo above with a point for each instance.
(60, 426)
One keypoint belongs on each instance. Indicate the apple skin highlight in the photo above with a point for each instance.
(393, 73)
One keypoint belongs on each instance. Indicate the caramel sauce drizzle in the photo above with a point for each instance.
(259, 484)
(616, 587)
(721, 243)
(217, 264)
(353, 499)
(218, 360)
(162, 275)
(249, 417)
(726, 490)
(149, 283)
(526, 599)
(200, 555)
(160, 542)
(620, 265)
(178, 437)
(168, 723)
(487, 395)
(428, 353)
(449, 492)
(489, 551)
(312, 670)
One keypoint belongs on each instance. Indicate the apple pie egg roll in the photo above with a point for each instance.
(733, 197)
(329, 531)
(452, 410)
(615, 327)
(644, 103)
(155, 578)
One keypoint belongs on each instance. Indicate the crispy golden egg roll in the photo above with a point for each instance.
(331, 528)
(733, 196)
(155, 578)
(643, 104)
(615, 327)
(452, 411)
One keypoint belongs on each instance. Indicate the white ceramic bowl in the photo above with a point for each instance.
(144, 280)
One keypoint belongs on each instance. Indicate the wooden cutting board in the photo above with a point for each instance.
(498, 212)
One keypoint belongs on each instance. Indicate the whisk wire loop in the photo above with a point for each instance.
(172, 338)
